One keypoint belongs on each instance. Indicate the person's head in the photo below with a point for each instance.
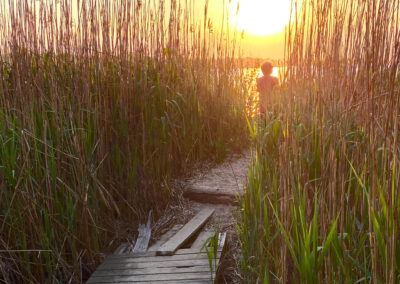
(266, 68)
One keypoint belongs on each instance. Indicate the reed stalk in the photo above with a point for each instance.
(322, 201)
(102, 104)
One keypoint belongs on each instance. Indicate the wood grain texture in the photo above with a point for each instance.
(182, 267)
(198, 281)
(153, 253)
(186, 232)
(139, 265)
(143, 239)
(192, 256)
(201, 239)
(145, 271)
(222, 241)
(153, 277)
(164, 238)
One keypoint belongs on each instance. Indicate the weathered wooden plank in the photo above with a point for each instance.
(144, 271)
(201, 239)
(139, 265)
(153, 266)
(199, 255)
(153, 277)
(204, 236)
(164, 238)
(185, 266)
(186, 232)
(143, 239)
(199, 281)
(153, 253)
(222, 241)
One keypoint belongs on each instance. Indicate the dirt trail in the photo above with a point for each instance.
(216, 187)
(220, 184)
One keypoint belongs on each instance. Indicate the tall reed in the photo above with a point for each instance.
(102, 103)
(322, 202)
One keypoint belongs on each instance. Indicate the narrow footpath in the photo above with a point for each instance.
(171, 251)
(217, 187)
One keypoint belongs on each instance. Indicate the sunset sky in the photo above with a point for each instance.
(263, 22)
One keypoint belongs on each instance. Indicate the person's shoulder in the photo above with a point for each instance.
(259, 80)
(273, 80)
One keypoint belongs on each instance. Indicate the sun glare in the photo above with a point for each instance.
(261, 17)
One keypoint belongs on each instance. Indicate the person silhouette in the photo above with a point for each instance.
(265, 84)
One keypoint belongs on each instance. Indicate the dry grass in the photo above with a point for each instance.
(101, 104)
(322, 203)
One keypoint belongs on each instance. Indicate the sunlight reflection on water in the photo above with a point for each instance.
(275, 72)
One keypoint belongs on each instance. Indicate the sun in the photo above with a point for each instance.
(261, 17)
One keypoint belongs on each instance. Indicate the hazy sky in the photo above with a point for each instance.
(263, 22)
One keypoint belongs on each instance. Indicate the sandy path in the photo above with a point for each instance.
(217, 187)
(214, 186)
(220, 184)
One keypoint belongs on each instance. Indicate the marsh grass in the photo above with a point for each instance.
(211, 246)
(322, 201)
(102, 103)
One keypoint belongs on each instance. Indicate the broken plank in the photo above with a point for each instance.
(143, 239)
(201, 239)
(186, 232)
(153, 277)
(164, 238)
(222, 241)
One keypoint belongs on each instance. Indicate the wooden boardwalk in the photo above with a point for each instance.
(165, 262)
